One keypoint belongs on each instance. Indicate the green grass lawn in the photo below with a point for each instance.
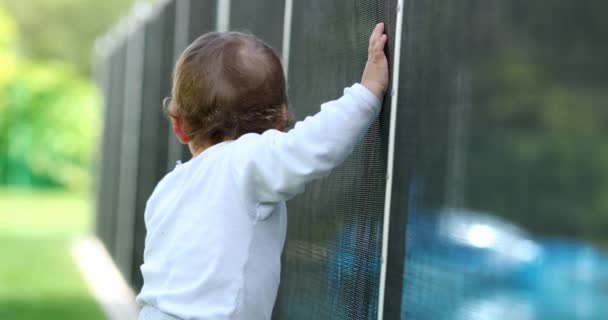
(38, 276)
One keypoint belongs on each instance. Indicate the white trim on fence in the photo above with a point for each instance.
(287, 34)
(106, 283)
(223, 15)
(391, 154)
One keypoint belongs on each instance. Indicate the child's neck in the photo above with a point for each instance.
(195, 150)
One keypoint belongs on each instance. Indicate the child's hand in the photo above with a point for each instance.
(375, 75)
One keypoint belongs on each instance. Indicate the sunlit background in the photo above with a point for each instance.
(50, 122)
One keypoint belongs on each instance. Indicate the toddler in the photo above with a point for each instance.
(216, 224)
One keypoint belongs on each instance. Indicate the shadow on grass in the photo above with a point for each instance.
(39, 279)
(50, 308)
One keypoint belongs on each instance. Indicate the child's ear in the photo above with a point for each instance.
(178, 129)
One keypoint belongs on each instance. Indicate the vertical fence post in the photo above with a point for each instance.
(129, 155)
(111, 148)
(153, 130)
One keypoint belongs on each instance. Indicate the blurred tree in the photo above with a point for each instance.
(7, 42)
(539, 154)
(64, 29)
(48, 118)
(534, 79)
(7, 69)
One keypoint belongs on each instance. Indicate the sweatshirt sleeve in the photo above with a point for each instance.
(275, 166)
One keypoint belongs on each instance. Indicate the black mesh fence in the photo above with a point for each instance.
(331, 264)
(500, 165)
(262, 18)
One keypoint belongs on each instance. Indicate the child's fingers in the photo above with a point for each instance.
(381, 43)
(380, 27)
(374, 34)
(372, 42)
(378, 31)
(370, 47)
(377, 52)
(375, 39)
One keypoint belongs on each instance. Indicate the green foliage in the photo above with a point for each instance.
(64, 29)
(543, 152)
(539, 154)
(49, 119)
(531, 81)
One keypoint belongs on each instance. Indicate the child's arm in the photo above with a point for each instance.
(276, 165)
